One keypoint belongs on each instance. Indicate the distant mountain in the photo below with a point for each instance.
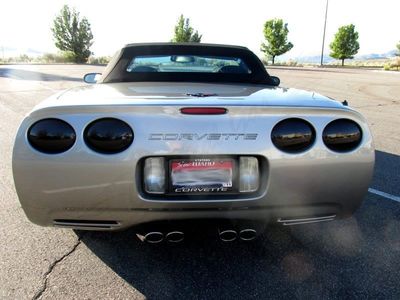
(388, 54)
(316, 59)
(14, 52)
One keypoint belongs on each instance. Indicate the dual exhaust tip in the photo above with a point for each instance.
(230, 235)
(226, 235)
(155, 237)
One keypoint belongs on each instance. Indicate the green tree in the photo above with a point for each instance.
(72, 34)
(275, 33)
(398, 49)
(184, 33)
(345, 43)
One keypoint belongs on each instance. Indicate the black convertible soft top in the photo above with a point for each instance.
(116, 70)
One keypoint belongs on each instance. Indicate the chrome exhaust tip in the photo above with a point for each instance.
(247, 234)
(153, 237)
(175, 236)
(228, 235)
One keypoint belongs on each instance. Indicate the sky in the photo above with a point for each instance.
(26, 24)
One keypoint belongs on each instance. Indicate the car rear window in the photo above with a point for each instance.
(187, 63)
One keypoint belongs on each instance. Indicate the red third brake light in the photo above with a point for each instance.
(203, 111)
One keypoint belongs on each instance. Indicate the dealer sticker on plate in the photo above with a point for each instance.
(202, 175)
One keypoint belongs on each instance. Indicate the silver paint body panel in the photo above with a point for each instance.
(81, 184)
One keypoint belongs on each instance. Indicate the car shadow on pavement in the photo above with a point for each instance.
(21, 74)
(356, 257)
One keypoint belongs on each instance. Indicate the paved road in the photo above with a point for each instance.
(358, 257)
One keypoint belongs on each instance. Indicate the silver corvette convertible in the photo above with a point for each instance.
(186, 132)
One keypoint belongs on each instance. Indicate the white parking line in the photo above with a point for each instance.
(385, 195)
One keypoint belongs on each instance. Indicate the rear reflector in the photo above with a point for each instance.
(203, 111)
(95, 224)
(299, 221)
(249, 175)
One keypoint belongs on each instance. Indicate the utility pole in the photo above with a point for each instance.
(323, 38)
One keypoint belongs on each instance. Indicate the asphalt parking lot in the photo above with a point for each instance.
(354, 258)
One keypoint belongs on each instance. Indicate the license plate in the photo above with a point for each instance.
(202, 175)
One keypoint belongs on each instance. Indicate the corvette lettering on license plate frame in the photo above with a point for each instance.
(202, 175)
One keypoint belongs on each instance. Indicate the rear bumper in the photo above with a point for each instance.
(81, 184)
(122, 219)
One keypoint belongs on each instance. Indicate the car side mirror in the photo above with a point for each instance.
(91, 77)
(275, 80)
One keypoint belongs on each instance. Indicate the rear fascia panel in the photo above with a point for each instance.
(85, 181)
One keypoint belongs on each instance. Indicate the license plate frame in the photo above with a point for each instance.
(219, 170)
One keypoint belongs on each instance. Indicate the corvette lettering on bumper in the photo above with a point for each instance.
(202, 136)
